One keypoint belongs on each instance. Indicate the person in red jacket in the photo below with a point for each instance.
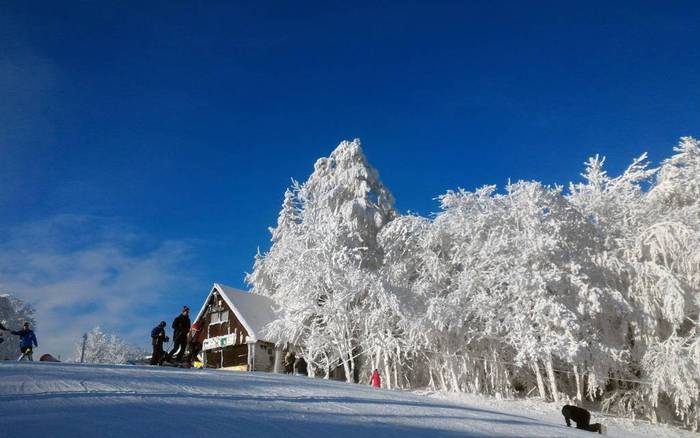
(194, 343)
(375, 381)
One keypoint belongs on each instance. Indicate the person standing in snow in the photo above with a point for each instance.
(157, 338)
(181, 327)
(289, 360)
(375, 381)
(582, 418)
(2, 328)
(196, 338)
(27, 339)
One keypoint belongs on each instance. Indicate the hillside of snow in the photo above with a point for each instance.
(73, 400)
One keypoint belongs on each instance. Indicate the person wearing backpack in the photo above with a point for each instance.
(157, 339)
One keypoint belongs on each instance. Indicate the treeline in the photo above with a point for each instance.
(587, 292)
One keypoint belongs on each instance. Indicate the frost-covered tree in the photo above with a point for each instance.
(651, 259)
(13, 313)
(513, 287)
(667, 284)
(105, 349)
(323, 249)
(592, 292)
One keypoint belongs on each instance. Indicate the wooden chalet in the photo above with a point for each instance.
(233, 323)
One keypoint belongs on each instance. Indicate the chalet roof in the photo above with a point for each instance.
(253, 311)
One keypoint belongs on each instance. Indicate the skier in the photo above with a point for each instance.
(376, 381)
(582, 418)
(195, 343)
(181, 326)
(26, 339)
(157, 338)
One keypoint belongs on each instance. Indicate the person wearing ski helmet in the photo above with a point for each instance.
(158, 337)
(27, 339)
(181, 327)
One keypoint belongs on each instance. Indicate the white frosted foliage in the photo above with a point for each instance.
(591, 292)
(105, 348)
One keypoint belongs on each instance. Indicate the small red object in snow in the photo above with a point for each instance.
(376, 381)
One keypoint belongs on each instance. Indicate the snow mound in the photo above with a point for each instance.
(73, 400)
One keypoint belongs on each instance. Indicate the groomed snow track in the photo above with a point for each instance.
(73, 400)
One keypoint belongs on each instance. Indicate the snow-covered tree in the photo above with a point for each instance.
(13, 314)
(105, 348)
(593, 292)
(323, 250)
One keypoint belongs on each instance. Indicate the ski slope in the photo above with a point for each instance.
(73, 400)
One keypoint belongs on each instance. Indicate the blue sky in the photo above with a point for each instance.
(144, 150)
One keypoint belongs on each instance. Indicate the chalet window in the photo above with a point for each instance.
(219, 317)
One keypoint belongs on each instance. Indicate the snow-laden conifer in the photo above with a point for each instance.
(324, 249)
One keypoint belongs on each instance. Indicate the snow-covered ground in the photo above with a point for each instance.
(72, 400)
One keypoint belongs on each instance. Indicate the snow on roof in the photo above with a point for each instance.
(253, 311)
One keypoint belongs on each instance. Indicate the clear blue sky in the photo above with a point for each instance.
(129, 129)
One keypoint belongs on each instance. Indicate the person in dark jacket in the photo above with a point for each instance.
(582, 418)
(27, 339)
(181, 327)
(157, 338)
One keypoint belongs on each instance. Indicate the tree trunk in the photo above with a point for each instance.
(352, 365)
(455, 380)
(540, 381)
(387, 372)
(346, 364)
(396, 374)
(552, 379)
(328, 366)
(577, 376)
(431, 383)
(442, 378)
(346, 369)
